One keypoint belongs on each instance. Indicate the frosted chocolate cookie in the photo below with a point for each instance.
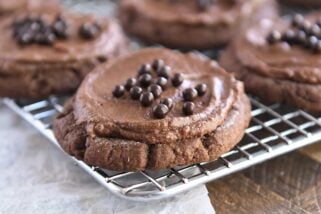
(154, 109)
(190, 24)
(280, 61)
(50, 53)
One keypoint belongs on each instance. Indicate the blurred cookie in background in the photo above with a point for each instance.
(191, 24)
(51, 52)
(280, 60)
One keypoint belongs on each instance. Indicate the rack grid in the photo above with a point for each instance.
(274, 130)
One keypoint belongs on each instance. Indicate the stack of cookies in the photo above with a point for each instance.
(158, 108)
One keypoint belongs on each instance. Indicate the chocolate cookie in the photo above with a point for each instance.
(50, 53)
(302, 3)
(154, 109)
(280, 61)
(190, 24)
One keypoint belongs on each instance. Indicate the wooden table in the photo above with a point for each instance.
(288, 184)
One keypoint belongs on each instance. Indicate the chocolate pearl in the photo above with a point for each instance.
(135, 92)
(60, 28)
(88, 31)
(164, 72)
(156, 90)
(44, 29)
(25, 39)
(305, 26)
(189, 94)
(34, 26)
(146, 99)
(188, 108)
(317, 47)
(168, 102)
(49, 39)
(301, 37)
(160, 111)
(145, 80)
(312, 42)
(274, 36)
(158, 64)
(297, 20)
(145, 69)
(289, 36)
(177, 80)
(315, 30)
(201, 89)
(131, 82)
(119, 91)
(162, 82)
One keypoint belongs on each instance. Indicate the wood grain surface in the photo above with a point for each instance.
(288, 184)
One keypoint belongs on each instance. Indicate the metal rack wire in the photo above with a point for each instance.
(274, 130)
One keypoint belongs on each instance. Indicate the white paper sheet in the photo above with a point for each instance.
(35, 177)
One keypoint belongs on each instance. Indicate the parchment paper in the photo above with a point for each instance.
(35, 177)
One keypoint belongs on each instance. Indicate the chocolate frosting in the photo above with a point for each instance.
(72, 49)
(127, 119)
(280, 60)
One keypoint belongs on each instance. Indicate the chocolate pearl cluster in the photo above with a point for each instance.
(302, 33)
(35, 30)
(150, 83)
(189, 95)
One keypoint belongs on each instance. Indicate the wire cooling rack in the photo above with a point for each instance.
(274, 130)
